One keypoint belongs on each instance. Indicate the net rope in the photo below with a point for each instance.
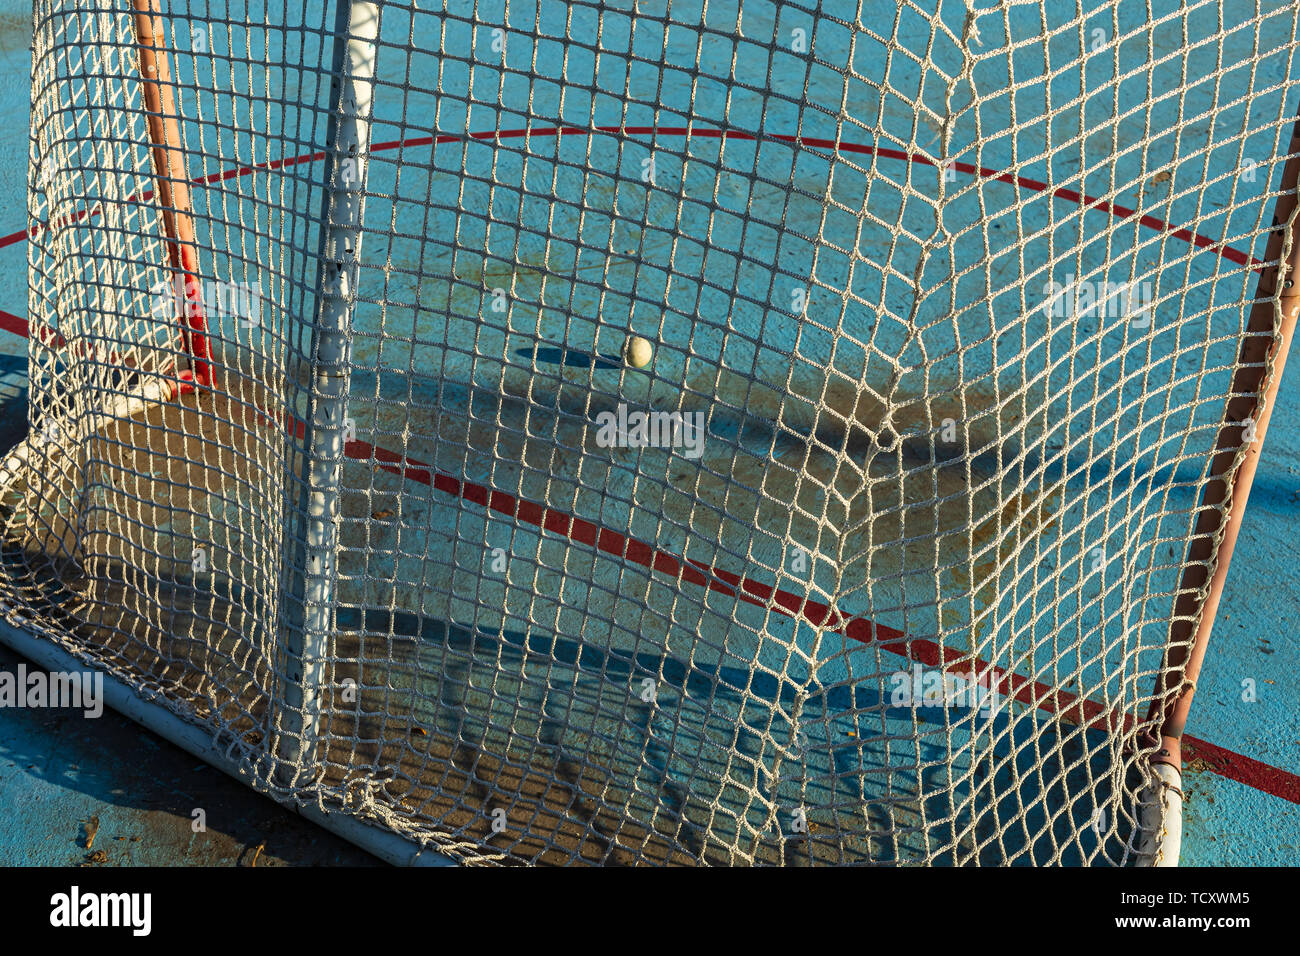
(873, 558)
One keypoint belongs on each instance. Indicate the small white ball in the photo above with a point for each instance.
(638, 352)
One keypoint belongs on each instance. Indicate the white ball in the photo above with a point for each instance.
(638, 352)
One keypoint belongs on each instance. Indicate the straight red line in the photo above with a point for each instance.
(1070, 706)
(1243, 769)
(1235, 766)
(1035, 693)
(13, 323)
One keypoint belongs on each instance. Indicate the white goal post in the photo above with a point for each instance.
(656, 432)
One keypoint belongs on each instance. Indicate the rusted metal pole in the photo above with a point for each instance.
(1269, 333)
(172, 188)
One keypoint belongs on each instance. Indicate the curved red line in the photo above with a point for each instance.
(810, 142)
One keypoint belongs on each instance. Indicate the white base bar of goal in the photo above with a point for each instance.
(24, 638)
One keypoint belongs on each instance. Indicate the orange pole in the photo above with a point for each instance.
(173, 188)
(1251, 399)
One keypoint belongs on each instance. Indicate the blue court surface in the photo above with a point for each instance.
(422, 364)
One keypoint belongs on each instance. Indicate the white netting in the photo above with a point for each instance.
(956, 294)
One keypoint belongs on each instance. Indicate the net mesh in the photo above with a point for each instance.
(867, 554)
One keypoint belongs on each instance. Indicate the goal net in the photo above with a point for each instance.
(656, 431)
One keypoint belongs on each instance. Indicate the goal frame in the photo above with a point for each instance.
(313, 569)
(1247, 411)
(172, 190)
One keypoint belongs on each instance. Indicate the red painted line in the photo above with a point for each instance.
(1235, 766)
(1023, 182)
(813, 142)
(13, 323)
(1061, 703)
(21, 328)
(1243, 769)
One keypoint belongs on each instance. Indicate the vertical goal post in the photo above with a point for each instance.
(1247, 410)
(308, 639)
(173, 185)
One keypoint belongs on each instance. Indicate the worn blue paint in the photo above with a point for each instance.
(61, 772)
(54, 775)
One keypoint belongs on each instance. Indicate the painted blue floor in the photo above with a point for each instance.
(139, 796)
(142, 791)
